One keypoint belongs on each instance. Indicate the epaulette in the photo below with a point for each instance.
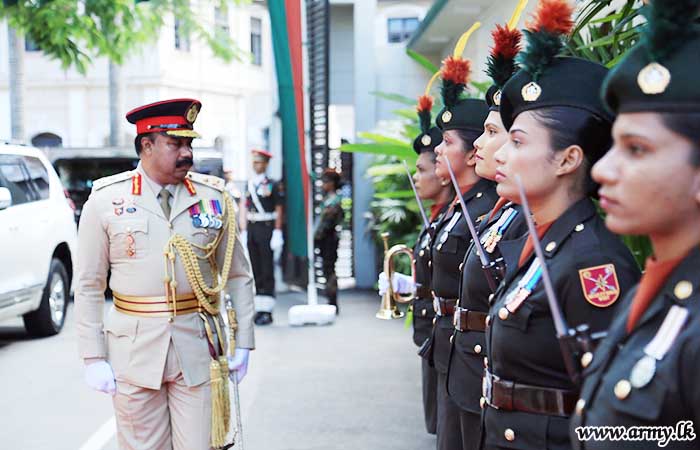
(207, 180)
(106, 181)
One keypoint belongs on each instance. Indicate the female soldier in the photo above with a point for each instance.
(645, 372)
(461, 122)
(557, 130)
(468, 347)
(440, 192)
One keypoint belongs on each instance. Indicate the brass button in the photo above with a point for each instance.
(421, 253)
(551, 246)
(170, 225)
(170, 320)
(503, 314)
(490, 298)
(488, 320)
(586, 359)
(579, 227)
(580, 404)
(128, 229)
(482, 402)
(623, 389)
(452, 338)
(424, 312)
(486, 362)
(683, 290)
(477, 349)
(478, 195)
(509, 434)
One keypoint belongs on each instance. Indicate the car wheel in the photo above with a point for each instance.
(51, 315)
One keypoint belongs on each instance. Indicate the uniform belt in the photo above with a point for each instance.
(261, 217)
(423, 292)
(466, 320)
(511, 396)
(444, 306)
(156, 306)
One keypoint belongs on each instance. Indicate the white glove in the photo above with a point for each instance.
(243, 237)
(239, 363)
(99, 376)
(402, 284)
(277, 241)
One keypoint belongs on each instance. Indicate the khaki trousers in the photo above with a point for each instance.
(175, 417)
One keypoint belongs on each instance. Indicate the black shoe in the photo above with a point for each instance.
(263, 318)
(334, 303)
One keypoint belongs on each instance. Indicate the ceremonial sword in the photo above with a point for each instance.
(415, 192)
(486, 265)
(572, 342)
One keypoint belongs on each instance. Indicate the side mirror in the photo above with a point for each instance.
(5, 198)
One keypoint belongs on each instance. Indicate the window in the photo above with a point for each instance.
(182, 36)
(256, 40)
(38, 175)
(221, 23)
(14, 177)
(30, 45)
(401, 29)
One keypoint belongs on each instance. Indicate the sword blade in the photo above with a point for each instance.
(559, 322)
(426, 224)
(237, 400)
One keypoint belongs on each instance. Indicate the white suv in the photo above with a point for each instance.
(38, 239)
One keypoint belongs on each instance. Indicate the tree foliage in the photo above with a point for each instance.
(76, 31)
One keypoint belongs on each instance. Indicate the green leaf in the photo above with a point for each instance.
(422, 60)
(401, 151)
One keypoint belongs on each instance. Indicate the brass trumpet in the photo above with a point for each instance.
(388, 309)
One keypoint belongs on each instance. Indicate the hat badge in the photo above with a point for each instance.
(446, 116)
(653, 79)
(425, 140)
(531, 91)
(497, 98)
(191, 114)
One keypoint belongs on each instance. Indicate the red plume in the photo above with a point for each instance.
(553, 16)
(456, 70)
(506, 42)
(425, 103)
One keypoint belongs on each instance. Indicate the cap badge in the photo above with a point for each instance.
(425, 140)
(497, 98)
(531, 91)
(191, 114)
(653, 79)
(446, 116)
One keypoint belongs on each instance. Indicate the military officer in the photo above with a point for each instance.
(557, 130)
(326, 236)
(645, 372)
(461, 122)
(261, 227)
(428, 187)
(504, 222)
(169, 238)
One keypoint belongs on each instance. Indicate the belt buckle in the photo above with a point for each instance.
(487, 388)
(436, 306)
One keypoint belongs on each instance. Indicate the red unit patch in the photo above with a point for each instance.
(600, 285)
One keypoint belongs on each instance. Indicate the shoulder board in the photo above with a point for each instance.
(207, 180)
(106, 181)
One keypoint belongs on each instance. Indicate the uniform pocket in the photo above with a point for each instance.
(120, 330)
(644, 403)
(202, 236)
(128, 238)
(519, 319)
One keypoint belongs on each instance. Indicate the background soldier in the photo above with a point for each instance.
(169, 238)
(326, 237)
(262, 230)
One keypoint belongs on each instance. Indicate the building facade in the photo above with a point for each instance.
(64, 107)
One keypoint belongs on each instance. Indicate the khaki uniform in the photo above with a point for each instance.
(127, 233)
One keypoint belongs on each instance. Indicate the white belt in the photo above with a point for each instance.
(261, 217)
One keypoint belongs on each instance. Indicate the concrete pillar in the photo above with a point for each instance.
(365, 119)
